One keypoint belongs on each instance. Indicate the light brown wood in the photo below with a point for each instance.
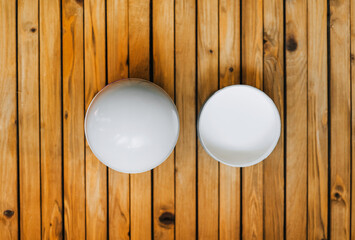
(141, 188)
(51, 119)
(207, 83)
(117, 68)
(163, 75)
(252, 74)
(185, 88)
(296, 119)
(317, 121)
(95, 80)
(340, 119)
(73, 118)
(139, 42)
(8, 118)
(117, 40)
(56, 55)
(274, 88)
(352, 62)
(229, 43)
(229, 74)
(28, 108)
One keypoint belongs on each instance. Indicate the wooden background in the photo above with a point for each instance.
(56, 55)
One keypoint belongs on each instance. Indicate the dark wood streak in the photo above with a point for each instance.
(93, 38)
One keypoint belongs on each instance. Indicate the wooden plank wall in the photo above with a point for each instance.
(56, 55)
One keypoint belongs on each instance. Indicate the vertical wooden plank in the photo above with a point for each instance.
(352, 58)
(51, 119)
(340, 119)
(185, 152)
(229, 74)
(28, 108)
(229, 43)
(117, 40)
(163, 75)
(8, 119)
(296, 119)
(207, 83)
(252, 74)
(274, 87)
(141, 214)
(73, 113)
(139, 42)
(117, 68)
(317, 120)
(95, 80)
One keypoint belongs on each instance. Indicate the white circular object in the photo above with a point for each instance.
(132, 125)
(239, 126)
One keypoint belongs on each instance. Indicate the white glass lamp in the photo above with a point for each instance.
(132, 125)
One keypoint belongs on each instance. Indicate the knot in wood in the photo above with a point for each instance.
(291, 44)
(9, 213)
(167, 218)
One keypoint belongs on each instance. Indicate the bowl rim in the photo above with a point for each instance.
(158, 162)
(267, 152)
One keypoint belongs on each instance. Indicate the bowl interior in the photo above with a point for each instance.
(239, 125)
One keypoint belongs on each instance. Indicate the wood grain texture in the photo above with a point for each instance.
(317, 120)
(117, 68)
(56, 55)
(207, 83)
(163, 75)
(117, 40)
(252, 74)
(28, 108)
(352, 62)
(185, 88)
(139, 64)
(8, 128)
(274, 87)
(340, 119)
(229, 74)
(51, 119)
(73, 118)
(296, 119)
(95, 80)
(139, 41)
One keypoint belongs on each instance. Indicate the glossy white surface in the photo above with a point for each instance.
(239, 125)
(132, 125)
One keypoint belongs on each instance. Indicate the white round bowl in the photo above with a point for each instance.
(132, 125)
(239, 126)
